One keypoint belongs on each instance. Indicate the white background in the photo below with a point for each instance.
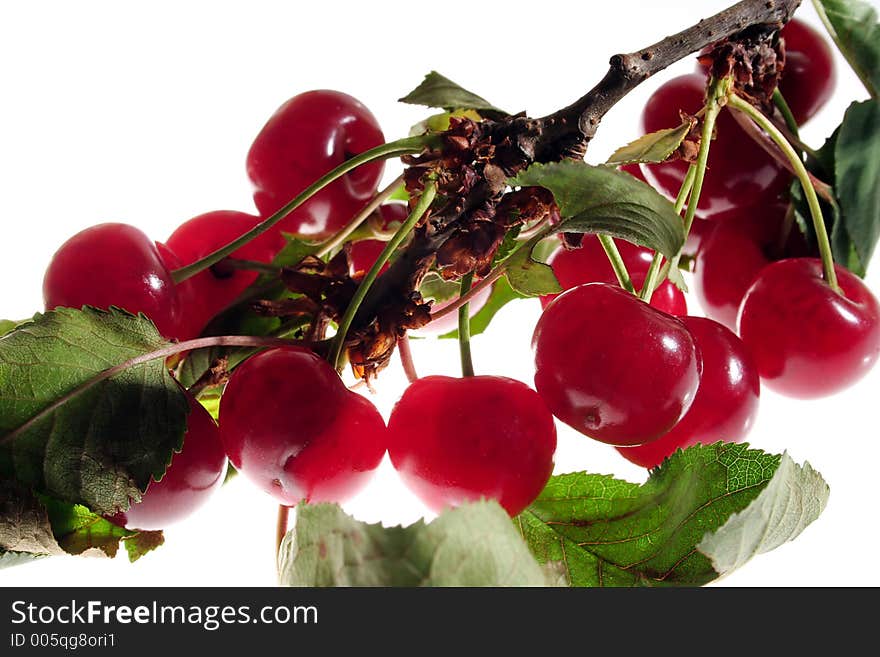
(143, 113)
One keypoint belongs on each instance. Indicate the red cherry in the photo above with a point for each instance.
(114, 265)
(726, 402)
(809, 76)
(215, 288)
(807, 340)
(740, 173)
(455, 440)
(195, 473)
(589, 264)
(308, 136)
(732, 258)
(291, 426)
(613, 367)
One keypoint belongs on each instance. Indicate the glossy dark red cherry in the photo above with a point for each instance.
(291, 426)
(215, 288)
(740, 173)
(732, 257)
(455, 440)
(807, 340)
(613, 367)
(308, 136)
(114, 265)
(195, 473)
(809, 76)
(589, 264)
(726, 402)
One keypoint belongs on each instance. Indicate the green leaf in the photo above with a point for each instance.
(530, 277)
(857, 173)
(78, 531)
(795, 497)
(608, 532)
(24, 523)
(598, 199)
(502, 294)
(8, 325)
(439, 91)
(653, 148)
(853, 26)
(69, 430)
(473, 545)
(675, 277)
(33, 527)
(400, 194)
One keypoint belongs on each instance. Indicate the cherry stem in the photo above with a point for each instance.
(164, 352)
(406, 359)
(359, 218)
(464, 328)
(418, 211)
(248, 265)
(617, 263)
(654, 274)
(803, 176)
(281, 527)
(383, 152)
(862, 74)
(463, 299)
(785, 110)
(719, 90)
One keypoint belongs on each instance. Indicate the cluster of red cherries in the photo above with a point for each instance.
(646, 378)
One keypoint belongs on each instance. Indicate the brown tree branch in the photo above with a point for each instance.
(574, 126)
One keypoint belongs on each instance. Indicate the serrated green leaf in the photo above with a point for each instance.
(439, 91)
(857, 172)
(653, 147)
(473, 545)
(853, 26)
(598, 199)
(609, 532)
(793, 499)
(502, 294)
(76, 435)
(530, 277)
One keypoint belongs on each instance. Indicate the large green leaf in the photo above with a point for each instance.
(69, 430)
(598, 199)
(853, 26)
(473, 545)
(32, 527)
(704, 511)
(439, 91)
(857, 173)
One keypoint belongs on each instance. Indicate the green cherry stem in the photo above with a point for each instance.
(464, 328)
(359, 218)
(653, 276)
(418, 211)
(383, 152)
(617, 263)
(785, 110)
(803, 176)
(719, 90)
